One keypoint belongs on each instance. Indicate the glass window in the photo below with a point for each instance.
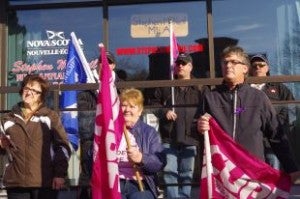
(268, 27)
(38, 41)
(28, 2)
(139, 36)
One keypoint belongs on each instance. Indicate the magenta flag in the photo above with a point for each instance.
(107, 136)
(238, 174)
(174, 51)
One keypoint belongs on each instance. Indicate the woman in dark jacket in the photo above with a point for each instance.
(143, 153)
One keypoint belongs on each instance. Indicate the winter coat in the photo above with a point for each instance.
(182, 130)
(154, 159)
(41, 149)
(248, 116)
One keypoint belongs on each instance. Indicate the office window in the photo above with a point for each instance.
(269, 27)
(38, 41)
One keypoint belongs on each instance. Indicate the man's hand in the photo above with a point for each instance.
(58, 183)
(203, 123)
(171, 115)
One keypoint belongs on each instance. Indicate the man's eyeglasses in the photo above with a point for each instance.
(33, 91)
(233, 62)
(259, 65)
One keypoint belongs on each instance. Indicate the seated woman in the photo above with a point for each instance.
(140, 150)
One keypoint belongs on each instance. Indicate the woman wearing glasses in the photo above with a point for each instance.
(37, 144)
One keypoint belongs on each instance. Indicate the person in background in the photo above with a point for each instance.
(245, 113)
(260, 67)
(86, 103)
(179, 135)
(144, 152)
(37, 143)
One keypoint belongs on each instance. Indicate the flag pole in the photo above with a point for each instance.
(209, 169)
(136, 169)
(172, 63)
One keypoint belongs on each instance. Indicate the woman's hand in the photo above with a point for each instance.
(203, 123)
(4, 141)
(134, 155)
(58, 183)
(295, 176)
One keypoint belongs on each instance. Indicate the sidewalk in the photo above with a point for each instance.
(295, 192)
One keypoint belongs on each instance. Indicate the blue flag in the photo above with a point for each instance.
(74, 73)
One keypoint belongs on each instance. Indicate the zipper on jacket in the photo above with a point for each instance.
(234, 113)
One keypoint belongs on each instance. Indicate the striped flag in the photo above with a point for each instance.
(236, 173)
(107, 136)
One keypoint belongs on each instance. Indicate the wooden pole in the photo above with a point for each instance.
(136, 169)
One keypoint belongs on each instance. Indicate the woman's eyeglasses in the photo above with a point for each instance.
(33, 91)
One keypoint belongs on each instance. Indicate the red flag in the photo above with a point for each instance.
(238, 174)
(107, 136)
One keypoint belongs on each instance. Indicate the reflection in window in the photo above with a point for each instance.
(142, 47)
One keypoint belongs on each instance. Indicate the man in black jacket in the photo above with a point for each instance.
(260, 67)
(245, 113)
(176, 128)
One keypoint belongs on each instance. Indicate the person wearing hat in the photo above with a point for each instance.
(87, 102)
(179, 137)
(111, 60)
(245, 113)
(260, 67)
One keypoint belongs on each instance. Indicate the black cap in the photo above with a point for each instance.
(185, 57)
(259, 57)
(110, 56)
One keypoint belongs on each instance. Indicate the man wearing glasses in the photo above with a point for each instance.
(260, 67)
(245, 113)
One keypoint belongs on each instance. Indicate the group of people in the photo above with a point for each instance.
(35, 139)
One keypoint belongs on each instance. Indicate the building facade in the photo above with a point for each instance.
(34, 36)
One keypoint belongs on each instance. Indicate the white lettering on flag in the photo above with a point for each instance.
(232, 182)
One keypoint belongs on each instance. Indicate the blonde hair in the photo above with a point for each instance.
(132, 96)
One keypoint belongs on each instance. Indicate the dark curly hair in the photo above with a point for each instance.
(36, 78)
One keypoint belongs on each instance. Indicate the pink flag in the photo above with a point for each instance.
(174, 51)
(107, 136)
(238, 174)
